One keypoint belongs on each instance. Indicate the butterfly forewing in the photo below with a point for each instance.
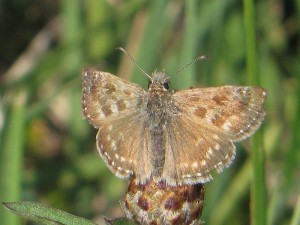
(107, 97)
(232, 110)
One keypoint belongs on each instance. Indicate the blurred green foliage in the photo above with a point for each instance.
(47, 151)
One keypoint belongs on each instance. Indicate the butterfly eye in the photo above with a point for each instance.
(166, 85)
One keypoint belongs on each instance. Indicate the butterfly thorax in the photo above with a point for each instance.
(158, 107)
(158, 101)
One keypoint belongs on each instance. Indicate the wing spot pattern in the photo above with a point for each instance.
(210, 152)
(195, 164)
(226, 126)
(200, 112)
(113, 145)
(114, 108)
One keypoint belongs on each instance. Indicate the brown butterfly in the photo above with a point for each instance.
(175, 137)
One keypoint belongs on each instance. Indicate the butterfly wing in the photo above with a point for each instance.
(107, 97)
(122, 147)
(233, 110)
(114, 106)
(201, 135)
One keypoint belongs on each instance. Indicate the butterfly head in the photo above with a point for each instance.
(158, 82)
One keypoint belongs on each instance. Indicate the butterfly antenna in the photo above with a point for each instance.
(201, 57)
(135, 63)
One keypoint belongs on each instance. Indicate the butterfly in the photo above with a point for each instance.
(176, 137)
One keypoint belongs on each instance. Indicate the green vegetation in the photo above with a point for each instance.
(47, 151)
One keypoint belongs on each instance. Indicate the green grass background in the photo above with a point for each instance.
(47, 151)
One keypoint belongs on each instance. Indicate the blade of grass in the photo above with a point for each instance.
(188, 52)
(236, 189)
(119, 221)
(45, 214)
(11, 156)
(71, 31)
(212, 23)
(71, 11)
(258, 189)
(100, 38)
(296, 132)
(296, 214)
(293, 153)
(151, 41)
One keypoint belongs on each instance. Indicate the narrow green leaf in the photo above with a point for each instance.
(258, 191)
(45, 214)
(11, 152)
(119, 221)
(71, 34)
(234, 192)
(293, 156)
(152, 40)
(296, 215)
(189, 50)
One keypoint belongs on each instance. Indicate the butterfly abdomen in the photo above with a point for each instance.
(158, 151)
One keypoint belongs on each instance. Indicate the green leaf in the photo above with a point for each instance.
(258, 191)
(296, 214)
(11, 154)
(45, 214)
(119, 221)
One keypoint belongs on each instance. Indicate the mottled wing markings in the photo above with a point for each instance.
(201, 136)
(177, 137)
(113, 105)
